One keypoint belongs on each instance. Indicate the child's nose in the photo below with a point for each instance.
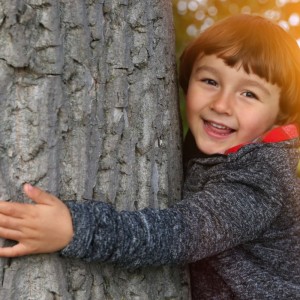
(222, 104)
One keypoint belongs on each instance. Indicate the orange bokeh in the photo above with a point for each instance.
(192, 16)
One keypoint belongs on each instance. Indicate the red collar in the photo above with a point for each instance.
(278, 134)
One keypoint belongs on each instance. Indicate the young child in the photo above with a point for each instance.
(239, 218)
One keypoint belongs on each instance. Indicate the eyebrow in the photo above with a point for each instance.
(206, 68)
(245, 81)
(258, 85)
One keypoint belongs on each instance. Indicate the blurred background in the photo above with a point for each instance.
(191, 17)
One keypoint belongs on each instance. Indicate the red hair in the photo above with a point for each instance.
(260, 47)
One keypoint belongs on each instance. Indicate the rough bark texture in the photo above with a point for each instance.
(88, 109)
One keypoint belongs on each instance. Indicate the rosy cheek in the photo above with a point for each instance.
(190, 106)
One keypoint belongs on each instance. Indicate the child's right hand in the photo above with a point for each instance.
(43, 227)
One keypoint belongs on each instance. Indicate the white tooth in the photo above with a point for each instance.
(218, 126)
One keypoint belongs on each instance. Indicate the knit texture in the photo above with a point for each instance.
(239, 221)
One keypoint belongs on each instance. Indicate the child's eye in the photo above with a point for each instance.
(209, 81)
(249, 94)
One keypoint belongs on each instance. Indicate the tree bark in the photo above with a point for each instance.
(89, 109)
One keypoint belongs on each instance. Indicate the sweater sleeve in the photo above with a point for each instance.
(230, 209)
(131, 239)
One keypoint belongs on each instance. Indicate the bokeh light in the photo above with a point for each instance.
(194, 16)
(294, 19)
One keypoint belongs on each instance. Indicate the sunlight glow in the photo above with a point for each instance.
(202, 2)
(272, 14)
(200, 15)
(280, 3)
(284, 24)
(181, 7)
(246, 10)
(212, 11)
(193, 5)
(192, 30)
(207, 23)
(294, 19)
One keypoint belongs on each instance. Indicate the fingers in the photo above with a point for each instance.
(10, 222)
(14, 209)
(38, 195)
(14, 251)
(10, 234)
(19, 210)
(43, 227)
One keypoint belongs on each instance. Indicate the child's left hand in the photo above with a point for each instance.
(43, 227)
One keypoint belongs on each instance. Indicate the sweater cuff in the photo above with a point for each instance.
(81, 219)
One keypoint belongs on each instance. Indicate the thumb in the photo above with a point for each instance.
(38, 195)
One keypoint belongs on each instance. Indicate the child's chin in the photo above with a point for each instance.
(211, 150)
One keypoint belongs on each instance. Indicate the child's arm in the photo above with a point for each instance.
(41, 228)
(232, 208)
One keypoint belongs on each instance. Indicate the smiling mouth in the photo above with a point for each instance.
(217, 129)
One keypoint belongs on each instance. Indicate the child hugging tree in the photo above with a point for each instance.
(238, 223)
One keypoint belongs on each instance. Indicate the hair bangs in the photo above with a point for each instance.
(261, 63)
(258, 46)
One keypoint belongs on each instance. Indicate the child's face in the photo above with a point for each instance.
(226, 106)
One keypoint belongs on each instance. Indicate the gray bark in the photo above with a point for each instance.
(88, 109)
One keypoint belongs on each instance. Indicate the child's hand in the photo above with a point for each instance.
(43, 227)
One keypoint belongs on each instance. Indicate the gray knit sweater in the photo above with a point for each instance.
(239, 217)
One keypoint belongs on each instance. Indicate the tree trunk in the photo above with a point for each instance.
(89, 109)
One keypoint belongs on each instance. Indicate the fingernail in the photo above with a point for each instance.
(29, 187)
